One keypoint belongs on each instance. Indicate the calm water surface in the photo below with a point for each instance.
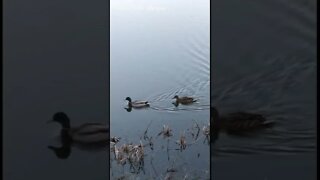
(160, 49)
(264, 61)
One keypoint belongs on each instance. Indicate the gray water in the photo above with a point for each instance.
(264, 61)
(160, 49)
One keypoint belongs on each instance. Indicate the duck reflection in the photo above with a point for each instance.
(238, 123)
(62, 152)
(88, 136)
(129, 109)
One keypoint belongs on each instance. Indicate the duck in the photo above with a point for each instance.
(86, 134)
(184, 100)
(239, 122)
(136, 104)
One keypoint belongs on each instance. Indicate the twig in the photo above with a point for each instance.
(198, 127)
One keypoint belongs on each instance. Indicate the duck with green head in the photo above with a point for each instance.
(137, 104)
(86, 136)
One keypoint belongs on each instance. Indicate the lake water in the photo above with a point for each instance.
(264, 61)
(160, 49)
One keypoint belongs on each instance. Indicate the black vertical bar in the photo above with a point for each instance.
(211, 94)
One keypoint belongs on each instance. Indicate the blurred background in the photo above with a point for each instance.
(264, 61)
(55, 59)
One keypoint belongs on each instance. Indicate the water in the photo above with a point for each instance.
(153, 59)
(264, 61)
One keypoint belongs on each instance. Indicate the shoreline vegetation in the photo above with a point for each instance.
(131, 157)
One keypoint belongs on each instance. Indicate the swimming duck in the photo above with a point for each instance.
(88, 133)
(137, 104)
(184, 100)
(239, 122)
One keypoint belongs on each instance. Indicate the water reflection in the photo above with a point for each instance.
(65, 150)
(136, 158)
(88, 136)
(62, 152)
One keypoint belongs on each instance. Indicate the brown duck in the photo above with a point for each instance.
(184, 100)
(238, 122)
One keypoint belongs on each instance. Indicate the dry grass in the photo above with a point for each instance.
(133, 154)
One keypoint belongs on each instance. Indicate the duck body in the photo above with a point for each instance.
(184, 100)
(137, 104)
(88, 136)
(240, 122)
(88, 133)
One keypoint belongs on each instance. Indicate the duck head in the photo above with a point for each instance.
(61, 118)
(128, 99)
(176, 97)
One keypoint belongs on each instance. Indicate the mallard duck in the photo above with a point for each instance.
(88, 133)
(89, 136)
(239, 122)
(184, 100)
(137, 104)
